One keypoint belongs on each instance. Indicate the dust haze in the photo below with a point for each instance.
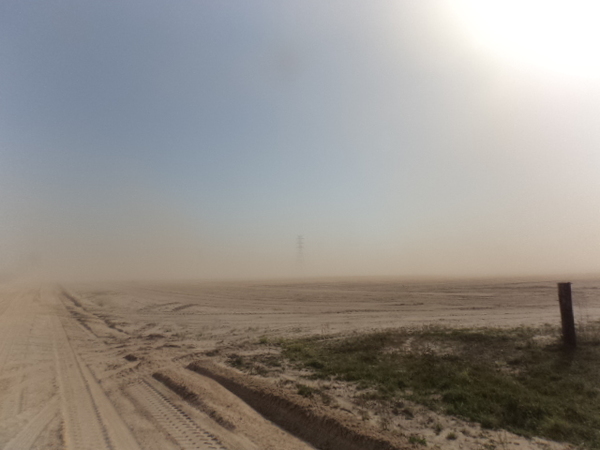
(134, 233)
(188, 187)
(198, 142)
(147, 239)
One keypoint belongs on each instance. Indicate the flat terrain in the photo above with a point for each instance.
(77, 361)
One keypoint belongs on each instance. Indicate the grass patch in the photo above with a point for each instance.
(305, 391)
(416, 439)
(247, 365)
(518, 379)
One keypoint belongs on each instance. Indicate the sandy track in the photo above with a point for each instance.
(90, 420)
(34, 338)
(65, 383)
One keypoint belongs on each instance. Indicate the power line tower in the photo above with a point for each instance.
(300, 253)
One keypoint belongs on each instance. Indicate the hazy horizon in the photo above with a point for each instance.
(198, 140)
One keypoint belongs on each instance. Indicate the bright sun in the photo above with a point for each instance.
(557, 36)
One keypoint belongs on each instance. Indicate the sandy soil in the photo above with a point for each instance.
(88, 366)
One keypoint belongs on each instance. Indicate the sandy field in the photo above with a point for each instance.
(104, 366)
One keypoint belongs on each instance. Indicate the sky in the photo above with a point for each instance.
(198, 139)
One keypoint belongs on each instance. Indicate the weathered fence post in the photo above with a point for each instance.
(566, 314)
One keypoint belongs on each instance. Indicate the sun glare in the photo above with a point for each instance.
(556, 36)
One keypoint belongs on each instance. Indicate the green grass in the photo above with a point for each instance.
(451, 436)
(500, 378)
(416, 439)
(305, 391)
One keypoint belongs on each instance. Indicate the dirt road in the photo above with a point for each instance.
(64, 383)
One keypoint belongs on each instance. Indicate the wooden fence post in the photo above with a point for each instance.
(566, 314)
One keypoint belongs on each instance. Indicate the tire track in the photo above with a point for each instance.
(90, 420)
(17, 322)
(23, 356)
(11, 427)
(5, 304)
(25, 439)
(10, 328)
(82, 426)
(21, 415)
(188, 434)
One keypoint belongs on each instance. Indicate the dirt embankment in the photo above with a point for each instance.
(326, 430)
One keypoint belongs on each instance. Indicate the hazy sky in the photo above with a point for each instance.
(197, 139)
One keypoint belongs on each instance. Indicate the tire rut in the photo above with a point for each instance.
(90, 420)
(25, 439)
(187, 433)
(83, 428)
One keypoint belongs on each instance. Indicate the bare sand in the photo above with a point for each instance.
(103, 366)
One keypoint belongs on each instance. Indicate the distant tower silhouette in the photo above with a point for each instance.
(300, 253)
